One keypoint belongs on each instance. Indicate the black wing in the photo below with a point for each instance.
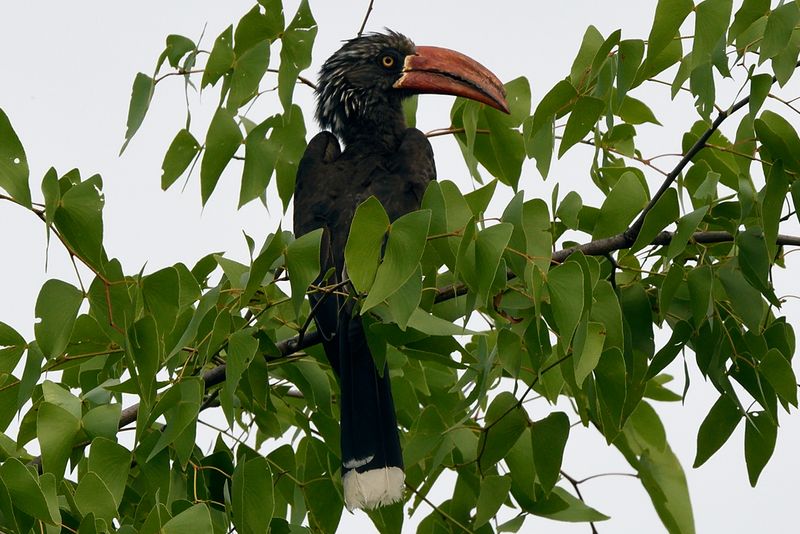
(316, 191)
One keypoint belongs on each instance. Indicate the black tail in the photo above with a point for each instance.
(372, 462)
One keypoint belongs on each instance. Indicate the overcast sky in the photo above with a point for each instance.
(66, 70)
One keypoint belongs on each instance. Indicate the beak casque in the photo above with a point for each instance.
(435, 70)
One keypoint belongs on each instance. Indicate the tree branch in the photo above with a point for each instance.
(300, 79)
(366, 18)
(633, 231)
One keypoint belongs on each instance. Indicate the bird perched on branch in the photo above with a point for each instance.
(359, 97)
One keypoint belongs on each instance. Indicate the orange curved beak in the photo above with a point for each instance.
(434, 70)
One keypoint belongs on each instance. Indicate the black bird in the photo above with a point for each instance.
(359, 97)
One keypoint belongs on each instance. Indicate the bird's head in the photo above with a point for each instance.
(362, 85)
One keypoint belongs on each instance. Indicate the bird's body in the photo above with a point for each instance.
(359, 98)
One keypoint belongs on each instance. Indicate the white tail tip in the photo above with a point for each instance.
(373, 488)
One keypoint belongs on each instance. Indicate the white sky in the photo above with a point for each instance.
(66, 70)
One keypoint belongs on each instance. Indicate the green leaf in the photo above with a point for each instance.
(581, 69)
(686, 227)
(12, 346)
(563, 506)
(518, 95)
(664, 212)
(663, 478)
(635, 111)
(290, 142)
(760, 85)
(565, 285)
(161, 293)
(549, 438)
(623, 203)
(435, 326)
(553, 105)
(273, 246)
(141, 95)
(56, 309)
(61, 397)
(410, 110)
(180, 154)
(242, 347)
(92, 496)
(180, 406)
(248, 69)
(145, 349)
(700, 281)
(508, 148)
(479, 199)
(221, 58)
(13, 163)
(785, 63)
(581, 121)
(505, 421)
(26, 494)
(260, 158)
(677, 341)
(760, 434)
(52, 197)
(252, 496)
(256, 27)
(222, 141)
(407, 238)
(748, 13)
(754, 261)
(79, 218)
(539, 145)
(111, 462)
(778, 371)
(779, 139)
(191, 521)
(302, 261)
(102, 421)
(588, 347)
(669, 16)
(493, 493)
(774, 197)
(406, 299)
(629, 58)
(716, 428)
(56, 429)
(177, 47)
(710, 23)
(780, 24)
(362, 253)
(296, 44)
(424, 435)
(746, 300)
(489, 248)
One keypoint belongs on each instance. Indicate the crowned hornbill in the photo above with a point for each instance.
(359, 97)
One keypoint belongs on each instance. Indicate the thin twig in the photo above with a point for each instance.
(453, 130)
(300, 79)
(366, 18)
(180, 72)
(575, 484)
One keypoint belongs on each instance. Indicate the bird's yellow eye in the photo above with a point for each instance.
(387, 61)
